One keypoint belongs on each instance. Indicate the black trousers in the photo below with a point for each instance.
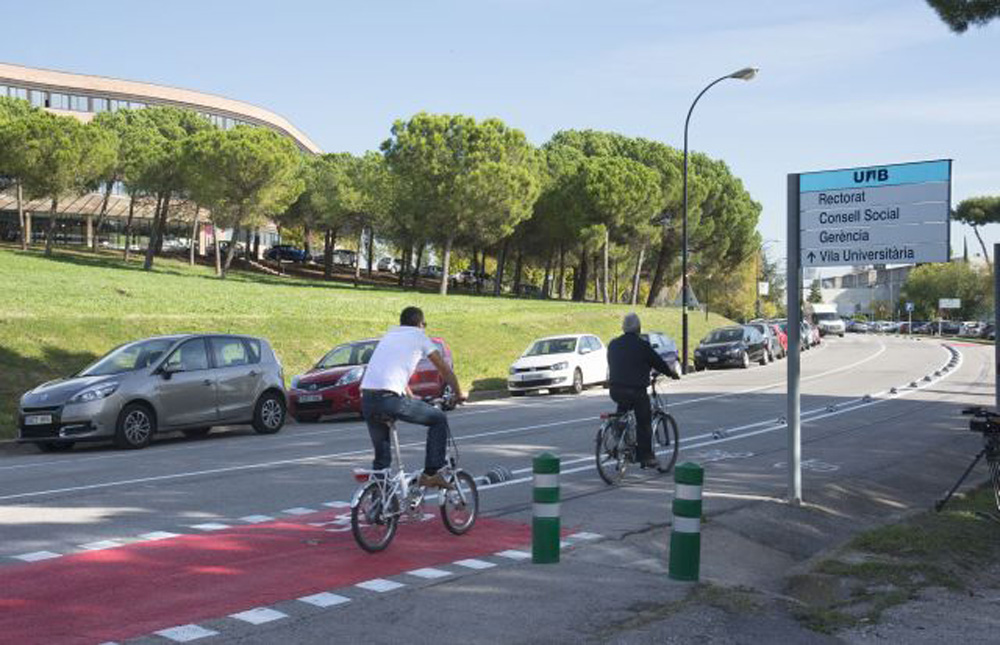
(637, 399)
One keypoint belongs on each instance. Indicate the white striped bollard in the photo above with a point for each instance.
(685, 534)
(545, 526)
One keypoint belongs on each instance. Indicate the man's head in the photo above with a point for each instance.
(412, 317)
(631, 323)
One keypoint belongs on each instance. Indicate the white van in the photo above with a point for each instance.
(826, 319)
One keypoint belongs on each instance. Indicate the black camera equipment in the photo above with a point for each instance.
(986, 422)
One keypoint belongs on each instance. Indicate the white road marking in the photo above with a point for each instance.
(299, 511)
(325, 599)
(473, 563)
(256, 519)
(158, 535)
(337, 504)
(429, 573)
(514, 554)
(210, 526)
(380, 585)
(259, 616)
(36, 556)
(186, 633)
(583, 535)
(101, 545)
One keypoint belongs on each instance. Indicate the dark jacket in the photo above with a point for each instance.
(630, 359)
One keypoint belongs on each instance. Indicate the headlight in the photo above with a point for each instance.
(353, 376)
(558, 367)
(512, 370)
(735, 350)
(101, 391)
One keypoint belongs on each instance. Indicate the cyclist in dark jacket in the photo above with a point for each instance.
(630, 361)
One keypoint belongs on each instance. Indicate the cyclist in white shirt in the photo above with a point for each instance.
(385, 392)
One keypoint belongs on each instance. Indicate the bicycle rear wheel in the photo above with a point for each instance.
(610, 453)
(666, 433)
(460, 504)
(374, 519)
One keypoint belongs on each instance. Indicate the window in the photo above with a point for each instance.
(253, 345)
(99, 105)
(136, 105)
(37, 98)
(3, 90)
(118, 105)
(18, 93)
(189, 357)
(79, 104)
(58, 101)
(229, 352)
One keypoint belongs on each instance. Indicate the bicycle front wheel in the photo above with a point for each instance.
(610, 454)
(666, 434)
(374, 518)
(460, 504)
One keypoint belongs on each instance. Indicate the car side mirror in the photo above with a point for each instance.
(167, 371)
(585, 350)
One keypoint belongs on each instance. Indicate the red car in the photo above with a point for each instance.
(782, 337)
(333, 385)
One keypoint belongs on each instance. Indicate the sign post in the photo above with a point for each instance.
(909, 314)
(894, 214)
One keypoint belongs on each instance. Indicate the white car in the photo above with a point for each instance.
(569, 362)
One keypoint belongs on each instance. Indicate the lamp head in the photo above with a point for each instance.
(745, 74)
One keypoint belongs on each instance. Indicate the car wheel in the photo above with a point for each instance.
(136, 426)
(764, 358)
(577, 382)
(306, 418)
(745, 360)
(269, 413)
(195, 433)
(55, 446)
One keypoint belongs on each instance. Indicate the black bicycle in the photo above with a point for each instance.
(986, 422)
(616, 445)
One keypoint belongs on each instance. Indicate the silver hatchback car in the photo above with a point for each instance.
(187, 382)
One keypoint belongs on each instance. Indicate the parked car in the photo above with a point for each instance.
(187, 382)
(988, 332)
(731, 346)
(782, 337)
(825, 318)
(288, 253)
(666, 348)
(240, 251)
(333, 384)
(773, 346)
(813, 334)
(392, 265)
(345, 258)
(569, 363)
(431, 271)
(857, 327)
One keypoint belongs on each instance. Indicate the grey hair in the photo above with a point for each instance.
(631, 323)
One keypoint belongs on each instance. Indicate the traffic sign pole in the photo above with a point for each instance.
(794, 282)
(996, 323)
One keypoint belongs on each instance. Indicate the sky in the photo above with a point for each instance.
(841, 84)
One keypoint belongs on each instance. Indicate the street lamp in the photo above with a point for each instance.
(745, 74)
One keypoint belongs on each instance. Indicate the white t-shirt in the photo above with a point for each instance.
(395, 358)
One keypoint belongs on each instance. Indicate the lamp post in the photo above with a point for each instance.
(745, 74)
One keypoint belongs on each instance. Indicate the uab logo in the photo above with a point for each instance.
(875, 174)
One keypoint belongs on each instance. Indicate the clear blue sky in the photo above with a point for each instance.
(842, 84)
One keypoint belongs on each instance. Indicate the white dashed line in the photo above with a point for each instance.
(337, 504)
(259, 616)
(256, 519)
(380, 585)
(299, 511)
(158, 535)
(472, 563)
(429, 573)
(583, 535)
(325, 599)
(36, 556)
(514, 554)
(210, 526)
(101, 545)
(186, 633)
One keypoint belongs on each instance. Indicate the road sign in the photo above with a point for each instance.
(895, 214)
(763, 288)
(909, 307)
(949, 303)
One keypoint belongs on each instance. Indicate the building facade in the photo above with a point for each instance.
(82, 96)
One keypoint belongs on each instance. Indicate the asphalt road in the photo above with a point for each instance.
(237, 521)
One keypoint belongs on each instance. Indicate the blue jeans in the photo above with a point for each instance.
(378, 403)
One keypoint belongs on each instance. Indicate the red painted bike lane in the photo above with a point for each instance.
(148, 586)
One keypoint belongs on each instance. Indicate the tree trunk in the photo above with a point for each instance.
(614, 272)
(194, 234)
(662, 259)
(357, 256)
(161, 232)
(100, 217)
(986, 255)
(328, 239)
(218, 250)
(128, 227)
(518, 266)
(231, 251)
(597, 276)
(256, 245)
(562, 270)
(20, 217)
(580, 278)
(547, 282)
(444, 265)
(605, 251)
(306, 244)
(407, 253)
(637, 276)
(501, 266)
(155, 232)
(416, 267)
(371, 251)
(52, 226)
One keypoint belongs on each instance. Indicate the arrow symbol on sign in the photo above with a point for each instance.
(811, 256)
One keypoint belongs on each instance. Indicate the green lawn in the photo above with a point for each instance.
(59, 313)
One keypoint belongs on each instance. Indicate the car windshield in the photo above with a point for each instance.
(725, 336)
(552, 346)
(348, 354)
(827, 316)
(127, 358)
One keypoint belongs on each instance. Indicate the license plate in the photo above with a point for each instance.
(713, 359)
(310, 398)
(38, 419)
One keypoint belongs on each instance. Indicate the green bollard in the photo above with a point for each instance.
(685, 534)
(545, 527)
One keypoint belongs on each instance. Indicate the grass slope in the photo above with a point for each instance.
(57, 314)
